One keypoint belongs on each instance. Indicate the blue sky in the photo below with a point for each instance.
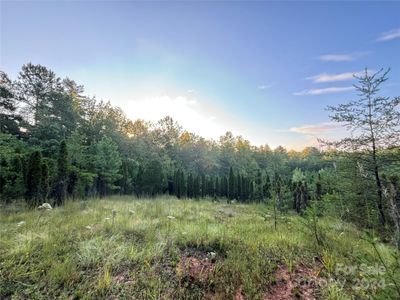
(264, 70)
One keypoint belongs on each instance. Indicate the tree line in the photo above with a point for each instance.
(56, 143)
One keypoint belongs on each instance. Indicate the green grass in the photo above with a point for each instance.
(81, 251)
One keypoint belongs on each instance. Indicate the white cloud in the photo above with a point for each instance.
(338, 57)
(325, 77)
(316, 129)
(389, 35)
(330, 90)
(187, 112)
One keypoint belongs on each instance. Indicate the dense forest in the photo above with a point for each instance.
(58, 144)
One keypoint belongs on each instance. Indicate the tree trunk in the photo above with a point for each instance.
(382, 218)
(380, 195)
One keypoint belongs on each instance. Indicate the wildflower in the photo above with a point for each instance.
(171, 217)
(45, 206)
(21, 223)
(88, 227)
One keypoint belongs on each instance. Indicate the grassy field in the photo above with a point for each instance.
(124, 248)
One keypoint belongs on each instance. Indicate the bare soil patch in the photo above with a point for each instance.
(302, 283)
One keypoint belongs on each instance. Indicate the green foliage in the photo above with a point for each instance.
(90, 148)
(33, 179)
(74, 250)
(44, 182)
(62, 174)
(153, 178)
(107, 162)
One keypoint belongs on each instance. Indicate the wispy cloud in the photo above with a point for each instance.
(337, 57)
(342, 56)
(325, 77)
(330, 90)
(389, 35)
(264, 86)
(316, 129)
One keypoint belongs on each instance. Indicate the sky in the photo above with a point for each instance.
(263, 70)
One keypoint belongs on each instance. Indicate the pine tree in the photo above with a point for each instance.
(318, 188)
(108, 163)
(203, 186)
(190, 186)
(217, 187)
(182, 183)
(374, 123)
(33, 179)
(243, 189)
(252, 190)
(278, 190)
(239, 187)
(226, 186)
(304, 195)
(62, 173)
(258, 187)
(297, 196)
(196, 187)
(153, 177)
(232, 185)
(44, 182)
(267, 187)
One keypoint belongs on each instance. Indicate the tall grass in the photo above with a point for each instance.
(84, 250)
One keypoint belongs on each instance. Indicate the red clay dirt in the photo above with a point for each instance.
(302, 283)
(196, 269)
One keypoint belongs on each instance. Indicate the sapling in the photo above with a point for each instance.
(311, 222)
(389, 271)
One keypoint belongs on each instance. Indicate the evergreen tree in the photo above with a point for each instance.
(252, 190)
(62, 174)
(182, 183)
(239, 187)
(278, 190)
(33, 179)
(190, 186)
(196, 187)
(267, 187)
(44, 182)
(318, 187)
(153, 177)
(226, 186)
(107, 161)
(217, 187)
(9, 119)
(203, 185)
(258, 187)
(374, 122)
(232, 185)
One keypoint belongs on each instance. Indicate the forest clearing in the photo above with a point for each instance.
(166, 248)
(245, 150)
